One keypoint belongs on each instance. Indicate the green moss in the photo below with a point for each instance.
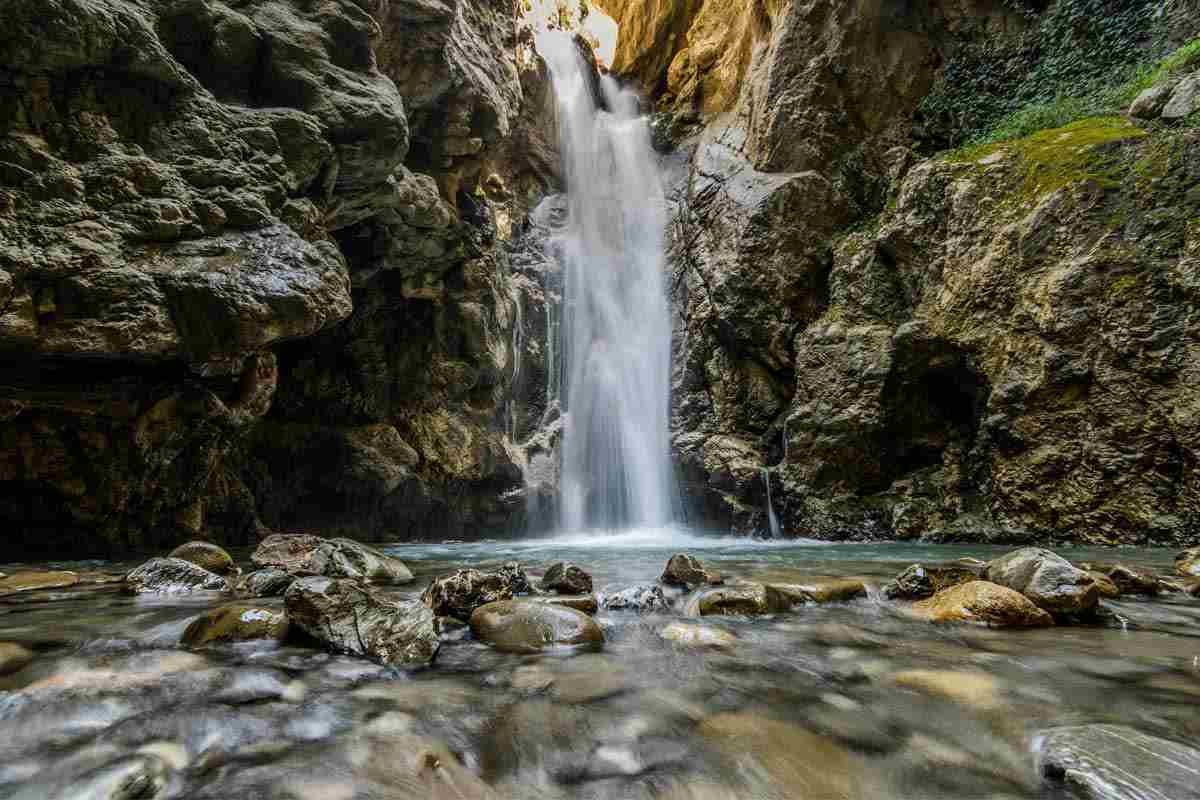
(1123, 289)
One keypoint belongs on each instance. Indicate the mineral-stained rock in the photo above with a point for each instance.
(566, 578)
(459, 594)
(1113, 762)
(301, 554)
(266, 582)
(522, 627)
(13, 658)
(348, 618)
(235, 623)
(925, 580)
(1187, 563)
(172, 576)
(685, 570)
(29, 581)
(206, 555)
(643, 598)
(982, 602)
(1047, 579)
(697, 635)
(740, 598)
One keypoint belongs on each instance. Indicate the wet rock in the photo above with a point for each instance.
(1047, 579)
(348, 618)
(1113, 762)
(1127, 579)
(205, 555)
(235, 623)
(580, 602)
(1105, 586)
(459, 594)
(982, 602)
(13, 658)
(1187, 563)
(30, 581)
(644, 598)
(920, 581)
(519, 626)
(172, 576)
(975, 689)
(144, 776)
(302, 554)
(687, 571)
(1184, 100)
(566, 578)
(689, 635)
(822, 590)
(741, 598)
(267, 582)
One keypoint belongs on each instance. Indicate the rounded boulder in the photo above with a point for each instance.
(519, 626)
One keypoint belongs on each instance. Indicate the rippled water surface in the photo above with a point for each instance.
(853, 700)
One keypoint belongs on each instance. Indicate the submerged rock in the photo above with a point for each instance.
(975, 689)
(235, 623)
(205, 555)
(1047, 579)
(687, 571)
(984, 602)
(1187, 563)
(30, 581)
(741, 598)
(302, 554)
(1113, 762)
(13, 658)
(920, 581)
(519, 626)
(348, 618)
(172, 576)
(643, 598)
(821, 590)
(566, 578)
(459, 594)
(689, 635)
(586, 603)
(267, 582)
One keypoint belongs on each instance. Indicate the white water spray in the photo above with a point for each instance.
(772, 520)
(616, 336)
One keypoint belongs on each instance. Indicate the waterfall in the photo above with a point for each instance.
(615, 332)
(771, 518)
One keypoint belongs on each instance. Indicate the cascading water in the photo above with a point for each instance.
(615, 329)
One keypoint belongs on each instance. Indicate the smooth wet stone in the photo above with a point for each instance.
(1047, 579)
(459, 594)
(1187, 563)
(1113, 762)
(1128, 580)
(741, 598)
(205, 555)
(305, 555)
(919, 581)
(689, 635)
(580, 602)
(236, 623)
(30, 581)
(348, 618)
(172, 576)
(266, 582)
(566, 578)
(519, 626)
(821, 590)
(982, 602)
(685, 570)
(974, 689)
(642, 598)
(13, 658)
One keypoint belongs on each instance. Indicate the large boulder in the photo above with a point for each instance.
(348, 618)
(982, 602)
(1047, 579)
(459, 594)
(566, 578)
(172, 576)
(1113, 762)
(517, 626)
(741, 598)
(920, 581)
(686, 571)
(235, 623)
(1187, 563)
(302, 554)
(206, 555)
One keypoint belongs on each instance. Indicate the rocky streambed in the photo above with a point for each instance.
(641, 665)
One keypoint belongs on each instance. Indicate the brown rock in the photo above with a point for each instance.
(822, 590)
(235, 623)
(740, 598)
(920, 581)
(29, 581)
(685, 570)
(566, 578)
(301, 554)
(13, 658)
(975, 689)
(1047, 579)
(982, 602)
(205, 555)
(1127, 579)
(519, 626)
(459, 594)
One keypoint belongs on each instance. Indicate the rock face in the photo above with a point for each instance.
(1110, 762)
(236, 623)
(458, 595)
(516, 626)
(1049, 580)
(334, 558)
(205, 555)
(348, 618)
(982, 602)
(172, 576)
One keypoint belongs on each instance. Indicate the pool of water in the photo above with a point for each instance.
(853, 700)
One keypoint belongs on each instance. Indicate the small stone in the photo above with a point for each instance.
(13, 658)
(235, 623)
(205, 555)
(519, 626)
(1047, 579)
(30, 581)
(172, 576)
(982, 602)
(268, 582)
(643, 598)
(684, 570)
(689, 635)
(566, 578)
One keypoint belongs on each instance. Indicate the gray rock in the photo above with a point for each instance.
(1047, 579)
(1185, 99)
(647, 597)
(920, 581)
(348, 618)
(266, 582)
(518, 626)
(302, 554)
(1113, 762)
(459, 594)
(566, 578)
(1149, 104)
(172, 576)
